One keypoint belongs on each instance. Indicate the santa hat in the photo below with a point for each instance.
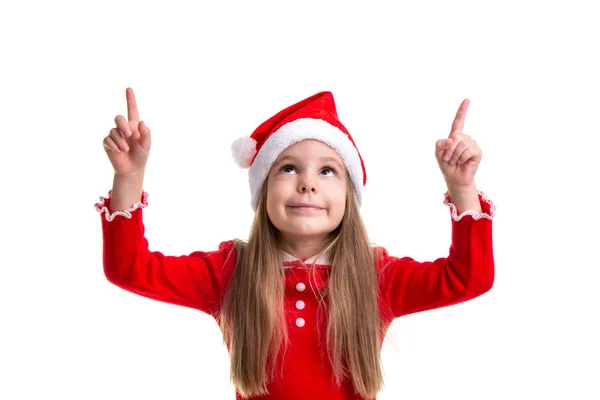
(312, 118)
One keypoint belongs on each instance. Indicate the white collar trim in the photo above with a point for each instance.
(323, 260)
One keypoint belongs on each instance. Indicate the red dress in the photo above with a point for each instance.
(196, 281)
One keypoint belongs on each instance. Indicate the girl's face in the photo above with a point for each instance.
(306, 192)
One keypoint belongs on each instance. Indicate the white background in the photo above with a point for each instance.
(205, 75)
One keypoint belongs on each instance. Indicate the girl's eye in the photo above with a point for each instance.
(287, 169)
(328, 171)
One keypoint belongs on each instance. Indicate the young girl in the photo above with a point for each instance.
(305, 303)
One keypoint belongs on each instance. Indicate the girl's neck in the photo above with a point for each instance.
(304, 249)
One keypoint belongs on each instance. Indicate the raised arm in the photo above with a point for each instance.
(410, 286)
(195, 280)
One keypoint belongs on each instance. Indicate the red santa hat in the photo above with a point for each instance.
(312, 118)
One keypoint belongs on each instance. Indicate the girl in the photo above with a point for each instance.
(305, 303)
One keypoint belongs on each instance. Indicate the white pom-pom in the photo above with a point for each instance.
(243, 150)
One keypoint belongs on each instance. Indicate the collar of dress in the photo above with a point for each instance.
(289, 260)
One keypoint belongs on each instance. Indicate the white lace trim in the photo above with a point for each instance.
(101, 207)
(472, 213)
(323, 260)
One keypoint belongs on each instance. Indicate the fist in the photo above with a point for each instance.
(458, 155)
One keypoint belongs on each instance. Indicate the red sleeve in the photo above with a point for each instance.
(194, 280)
(411, 286)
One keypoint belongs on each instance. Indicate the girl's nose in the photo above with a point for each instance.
(307, 183)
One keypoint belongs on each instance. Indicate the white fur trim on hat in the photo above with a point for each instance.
(293, 132)
(242, 150)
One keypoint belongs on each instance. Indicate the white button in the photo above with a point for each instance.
(300, 287)
(300, 322)
(299, 304)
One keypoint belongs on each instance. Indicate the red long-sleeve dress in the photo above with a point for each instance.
(197, 281)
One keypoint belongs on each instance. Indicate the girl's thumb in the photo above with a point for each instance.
(144, 134)
(443, 144)
(143, 128)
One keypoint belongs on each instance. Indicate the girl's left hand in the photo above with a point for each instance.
(458, 156)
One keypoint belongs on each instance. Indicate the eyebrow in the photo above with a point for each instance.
(322, 159)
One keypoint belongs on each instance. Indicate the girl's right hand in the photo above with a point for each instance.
(128, 145)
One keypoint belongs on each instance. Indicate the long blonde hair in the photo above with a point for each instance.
(252, 315)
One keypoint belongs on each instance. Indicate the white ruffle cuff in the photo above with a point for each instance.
(102, 208)
(472, 213)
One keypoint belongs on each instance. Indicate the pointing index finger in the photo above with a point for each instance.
(459, 121)
(132, 110)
